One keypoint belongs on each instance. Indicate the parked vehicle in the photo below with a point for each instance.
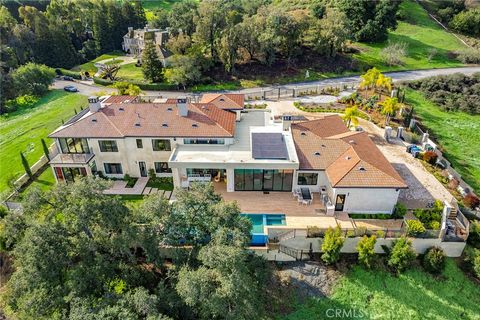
(70, 89)
(67, 78)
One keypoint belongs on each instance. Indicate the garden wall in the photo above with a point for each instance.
(452, 249)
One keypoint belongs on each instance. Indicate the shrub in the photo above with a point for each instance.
(434, 260)
(380, 234)
(399, 211)
(21, 102)
(3, 211)
(471, 201)
(415, 227)
(65, 72)
(401, 254)
(430, 157)
(434, 225)
(394, 53)
(472, 258)
(332, 244)
(469, 56)
(151, 173)
(366, 250)
(474, 236)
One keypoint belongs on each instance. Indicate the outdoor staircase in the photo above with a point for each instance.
(453, 213)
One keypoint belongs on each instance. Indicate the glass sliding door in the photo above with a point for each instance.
(263, 180)
(257, 179)
(287, 180)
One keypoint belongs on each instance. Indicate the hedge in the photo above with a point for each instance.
(69, 73)
(141, 85)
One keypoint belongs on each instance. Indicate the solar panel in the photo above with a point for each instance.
(269, 145)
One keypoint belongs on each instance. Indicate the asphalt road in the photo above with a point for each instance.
(89, 88)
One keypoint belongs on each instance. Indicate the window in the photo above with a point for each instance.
(73, 145)
(108, 145)
(204, 141)
(139, 143)
(161, 145)
(162, 167)
(307, 179)
(113, 168)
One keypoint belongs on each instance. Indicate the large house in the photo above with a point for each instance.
(134, 42)
(216, 139)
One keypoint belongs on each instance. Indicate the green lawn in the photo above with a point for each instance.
(130, 72)
(21, 131)
(414, 295)
(89, 66)
(458, 133)
(421, 34)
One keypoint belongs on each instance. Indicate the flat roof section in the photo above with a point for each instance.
(269, 145)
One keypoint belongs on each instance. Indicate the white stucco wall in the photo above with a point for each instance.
(368, 200)
(322, 180)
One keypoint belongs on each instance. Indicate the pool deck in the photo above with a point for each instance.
(296, 215)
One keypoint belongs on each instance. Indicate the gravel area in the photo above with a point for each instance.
(310, 279)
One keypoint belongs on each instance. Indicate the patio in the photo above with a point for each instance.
(120, 187)
(297, 215)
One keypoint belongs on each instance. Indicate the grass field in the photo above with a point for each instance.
(414, 295)
(421, 34)
(21, 131)
(458, 133)
(89, 66)
(130, 72)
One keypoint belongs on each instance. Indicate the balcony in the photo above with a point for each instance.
(72, 158)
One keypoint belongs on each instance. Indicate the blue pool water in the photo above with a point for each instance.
(259, 221)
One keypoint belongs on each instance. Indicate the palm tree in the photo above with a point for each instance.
(369, 78)
(383, 82)
(389, 108)
(350, 116)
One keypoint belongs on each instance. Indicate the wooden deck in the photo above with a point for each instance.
(273, 202)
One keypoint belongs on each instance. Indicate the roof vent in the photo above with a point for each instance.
(164, 125)
(362, 169)
(317, 153)
(94, 120)
(137, 124)
(169, 109)
(121, 109)
(324, 146)
(194, 125)
(352, 142)
(221, 99)
(303, 133)
(348, 158)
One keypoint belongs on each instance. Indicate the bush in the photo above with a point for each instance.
(401, 254)
(430, 157)
(469, 56)
(415, 228)
(394, 53)
(65, 72)
(399, 211)
(332, 244)
(21, 102)
(434, 225)
(366, 250)
(472, 258)
(474, 236)
(141, 85)
(380, 234)
(471, 201)
(434, 260)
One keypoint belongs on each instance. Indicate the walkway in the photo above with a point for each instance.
(120, 187)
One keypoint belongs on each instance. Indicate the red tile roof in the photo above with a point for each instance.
(226, 101)
(119, 99)
(349, 158)
(151, 120)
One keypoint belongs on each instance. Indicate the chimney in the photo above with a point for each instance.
(93, 104)
(182, 106)
(286, 122)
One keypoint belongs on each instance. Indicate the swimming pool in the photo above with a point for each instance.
(259, 221)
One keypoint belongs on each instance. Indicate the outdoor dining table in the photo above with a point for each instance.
(306, 195)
